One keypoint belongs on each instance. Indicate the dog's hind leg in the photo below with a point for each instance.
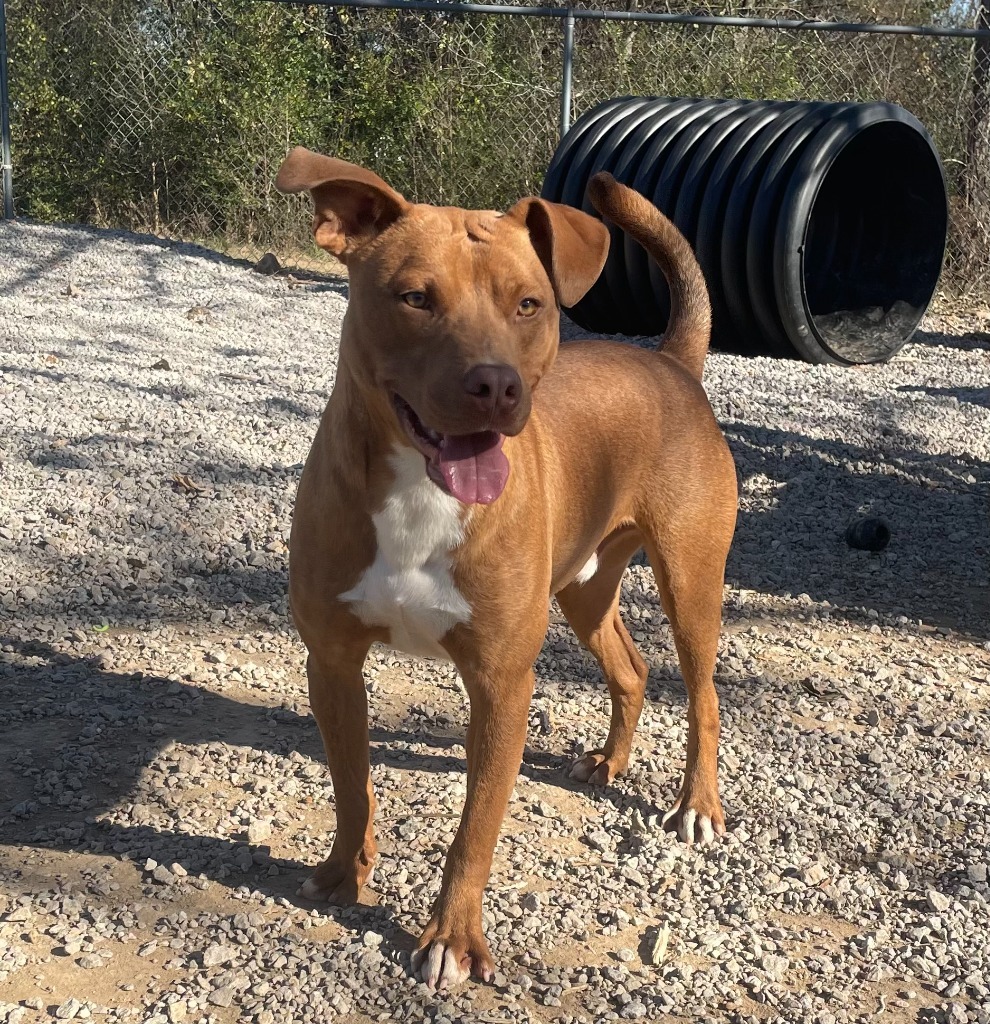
(592, 609)
(688, 560)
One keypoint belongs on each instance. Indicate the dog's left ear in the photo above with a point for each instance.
(351, 205)
(572, 245)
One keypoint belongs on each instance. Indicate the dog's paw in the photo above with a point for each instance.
(595, 768)
(695, 820)
(448, 957)
(338, 884)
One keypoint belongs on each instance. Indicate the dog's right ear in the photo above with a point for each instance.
(351, 205)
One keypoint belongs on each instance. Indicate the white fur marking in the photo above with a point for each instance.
(409, 587)
(588, 569)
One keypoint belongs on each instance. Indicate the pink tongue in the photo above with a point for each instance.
(473, 467)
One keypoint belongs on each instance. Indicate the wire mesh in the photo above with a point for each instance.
(932, 77)
(172, 116)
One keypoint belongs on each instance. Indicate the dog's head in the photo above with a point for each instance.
(454, 314)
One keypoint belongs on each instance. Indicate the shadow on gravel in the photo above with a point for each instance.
(974, 396)
(800, 494)
(72, 243)
(95, 762)
(18, 371)
(290, 407)
(154, 267)
(78, 743)
(971, 341)
(77, 239)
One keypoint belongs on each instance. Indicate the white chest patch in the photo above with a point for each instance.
(409, 587)
(588, 569)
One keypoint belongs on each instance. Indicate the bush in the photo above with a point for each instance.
(172, 116)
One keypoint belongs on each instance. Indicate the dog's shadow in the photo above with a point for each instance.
(79, 741)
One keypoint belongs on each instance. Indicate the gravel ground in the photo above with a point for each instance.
(164, 790)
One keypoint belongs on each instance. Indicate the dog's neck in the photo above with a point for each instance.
(360, 434)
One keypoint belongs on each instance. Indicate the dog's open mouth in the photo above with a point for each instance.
(471, 467)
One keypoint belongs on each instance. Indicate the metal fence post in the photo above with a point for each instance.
(565, 85)
(5, 164)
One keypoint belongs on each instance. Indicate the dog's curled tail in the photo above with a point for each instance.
(689, 328)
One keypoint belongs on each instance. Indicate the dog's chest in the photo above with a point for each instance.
(409, 587)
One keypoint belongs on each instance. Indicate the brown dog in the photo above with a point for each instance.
(464, 473)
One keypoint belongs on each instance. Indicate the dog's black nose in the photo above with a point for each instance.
(496, 387)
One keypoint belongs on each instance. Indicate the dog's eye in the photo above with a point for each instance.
(528, 307)
(415, 299)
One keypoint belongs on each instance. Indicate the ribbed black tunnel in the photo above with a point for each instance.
(820, 227)
(869, 267)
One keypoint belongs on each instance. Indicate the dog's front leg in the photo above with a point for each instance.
(340, 705)
(453, 945)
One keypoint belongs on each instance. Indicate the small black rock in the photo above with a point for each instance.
(268, 264)
(868, 534)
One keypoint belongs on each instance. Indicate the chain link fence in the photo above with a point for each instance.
(172, 116)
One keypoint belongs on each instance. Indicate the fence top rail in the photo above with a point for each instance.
(648, 16)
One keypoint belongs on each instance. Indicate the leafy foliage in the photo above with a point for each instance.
(172, 116)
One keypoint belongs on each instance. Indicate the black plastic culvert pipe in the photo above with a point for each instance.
(820, 227)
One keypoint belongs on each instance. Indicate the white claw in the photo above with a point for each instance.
(453, 972)
(438, 967)
(707, 832)
(694, 827)
(434, 965)
(687, 825)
